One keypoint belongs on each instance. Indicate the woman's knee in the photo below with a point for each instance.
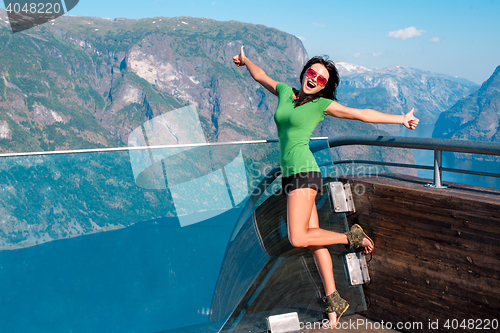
(297, 240)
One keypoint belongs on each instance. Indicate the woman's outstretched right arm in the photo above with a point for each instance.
(257, 73)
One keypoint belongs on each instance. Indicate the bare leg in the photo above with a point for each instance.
(323, 261)
(300, 206)
(322, 257)
(304, 231)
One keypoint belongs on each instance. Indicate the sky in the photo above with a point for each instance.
(455, 37)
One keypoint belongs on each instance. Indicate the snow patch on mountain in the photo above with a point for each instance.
(345, 68)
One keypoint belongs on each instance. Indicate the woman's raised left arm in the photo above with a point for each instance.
(371, 116)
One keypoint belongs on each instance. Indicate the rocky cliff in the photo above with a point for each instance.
(475, 117)
(99, 79)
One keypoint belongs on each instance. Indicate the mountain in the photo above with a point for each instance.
(88, 82)
(451, 77)
(475, 117)
(397, 89)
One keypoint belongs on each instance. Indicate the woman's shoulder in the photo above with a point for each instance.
(281, 86)
(324, 103)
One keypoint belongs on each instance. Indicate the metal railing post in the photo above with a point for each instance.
(438, 163)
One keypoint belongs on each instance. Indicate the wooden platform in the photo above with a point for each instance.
(437, 251)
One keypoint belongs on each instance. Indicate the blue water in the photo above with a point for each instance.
(149, 277)
(426, 157)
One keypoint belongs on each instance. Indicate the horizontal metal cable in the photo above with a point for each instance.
(414, 166)
(458, 146)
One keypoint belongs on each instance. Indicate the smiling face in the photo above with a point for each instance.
(310, 85)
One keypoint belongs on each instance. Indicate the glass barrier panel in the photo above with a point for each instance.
(120, 241)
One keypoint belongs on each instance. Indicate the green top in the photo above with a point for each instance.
(295, 126)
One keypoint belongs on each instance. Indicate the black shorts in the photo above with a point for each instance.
(310, 179)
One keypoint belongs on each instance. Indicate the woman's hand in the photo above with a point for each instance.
(409, 120)
(257, 73)
(239, 60)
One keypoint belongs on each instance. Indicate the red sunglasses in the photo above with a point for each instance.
(311, 73)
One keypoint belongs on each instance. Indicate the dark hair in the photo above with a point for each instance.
(330, 90)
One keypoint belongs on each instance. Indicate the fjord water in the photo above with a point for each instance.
(476, 163)
(148, 277)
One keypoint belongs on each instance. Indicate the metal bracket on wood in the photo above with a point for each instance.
(284, 323)
(357, 268)
(341, 197)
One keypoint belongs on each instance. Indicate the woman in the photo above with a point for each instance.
(297, 115)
